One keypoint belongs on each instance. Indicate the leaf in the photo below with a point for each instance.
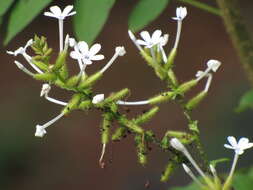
(191, 186)
(22, 14)
(144, 12)
(245, 102)
(90, 18)
(243, 180)
(4, 6)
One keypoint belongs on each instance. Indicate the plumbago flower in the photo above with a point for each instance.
(239, 146)
(181, 13)
(21, 50)
(148, 40)
(56, 12)
(86, 55)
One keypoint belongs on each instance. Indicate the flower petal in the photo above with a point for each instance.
(55, 10)
(83, 47)
(75, 55)
(50, 14)
(232, 141)
(97, 57)
(67, 10)
(145, 35)
(94, 49)
(156, 36)
(228, 146)
(249, 145)
(142, 43)
(243, 142)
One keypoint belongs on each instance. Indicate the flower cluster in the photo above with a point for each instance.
(213, 182)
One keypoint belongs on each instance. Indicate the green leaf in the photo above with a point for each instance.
(90, 18)
(245, 102)
(22, 14)
(144, 12)
(4, 6)
(243, 180)
(191, 186)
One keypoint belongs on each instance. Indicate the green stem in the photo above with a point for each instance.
(202, 6)
(239, 34)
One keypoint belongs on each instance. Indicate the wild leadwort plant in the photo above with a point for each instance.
(151, 47)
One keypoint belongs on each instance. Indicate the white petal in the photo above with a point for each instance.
(56, 10)
(40, 131)
(83, 47)
(145, 35)
(67, 10)
(243, 142)
(249, 145)
(228, 146)
(142, 43)
(232, 141)
(199, 73)
(72, 13)
(75, 55)
(72, 42)
(213, 64)
(131, 35)
(120, 50)
(10, 52)
(156, 36)
(50, 14)
(94, 49)
(164, 39)
(97, 57)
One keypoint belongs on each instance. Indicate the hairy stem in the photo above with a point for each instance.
(239, 34)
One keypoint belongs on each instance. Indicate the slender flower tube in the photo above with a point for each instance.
(119, 51)
(137, 103)
(41, 129)
(209, 79)
(194, 178)
(22, 51)
(133, 38)
(163, 42)
(181, 13)
(45, 91)
(56, 12)
(101, 163)
(22, 68)
(175, 143)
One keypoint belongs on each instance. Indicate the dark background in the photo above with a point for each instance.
(67, 157)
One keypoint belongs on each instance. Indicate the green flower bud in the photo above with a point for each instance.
(185, 87)
(163, 97)
(119, 133)
(192, 103)
(146, 116)
(60, 61)
(171, 59)
(72, 104)
(41, 65)
(48, 77)
(90, 80)
(170, 168)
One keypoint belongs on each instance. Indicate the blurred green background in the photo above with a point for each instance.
(67, 157)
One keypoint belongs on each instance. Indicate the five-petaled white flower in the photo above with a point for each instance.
(239, 147)
(149, 41)
(181, 13)
(56, 12)
(21, 50)
(82, 52)
(40, 131)
(98, 98)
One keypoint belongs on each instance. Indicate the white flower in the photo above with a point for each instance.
(175, 143)
(40, 131)
(82, 52)
(120, 50)
(164, 39)
(98, 98)
(181, 13)
(239, 147)
(21, 50)
(56, 12)
(149, 41)
(45, 89)
(213, 65)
